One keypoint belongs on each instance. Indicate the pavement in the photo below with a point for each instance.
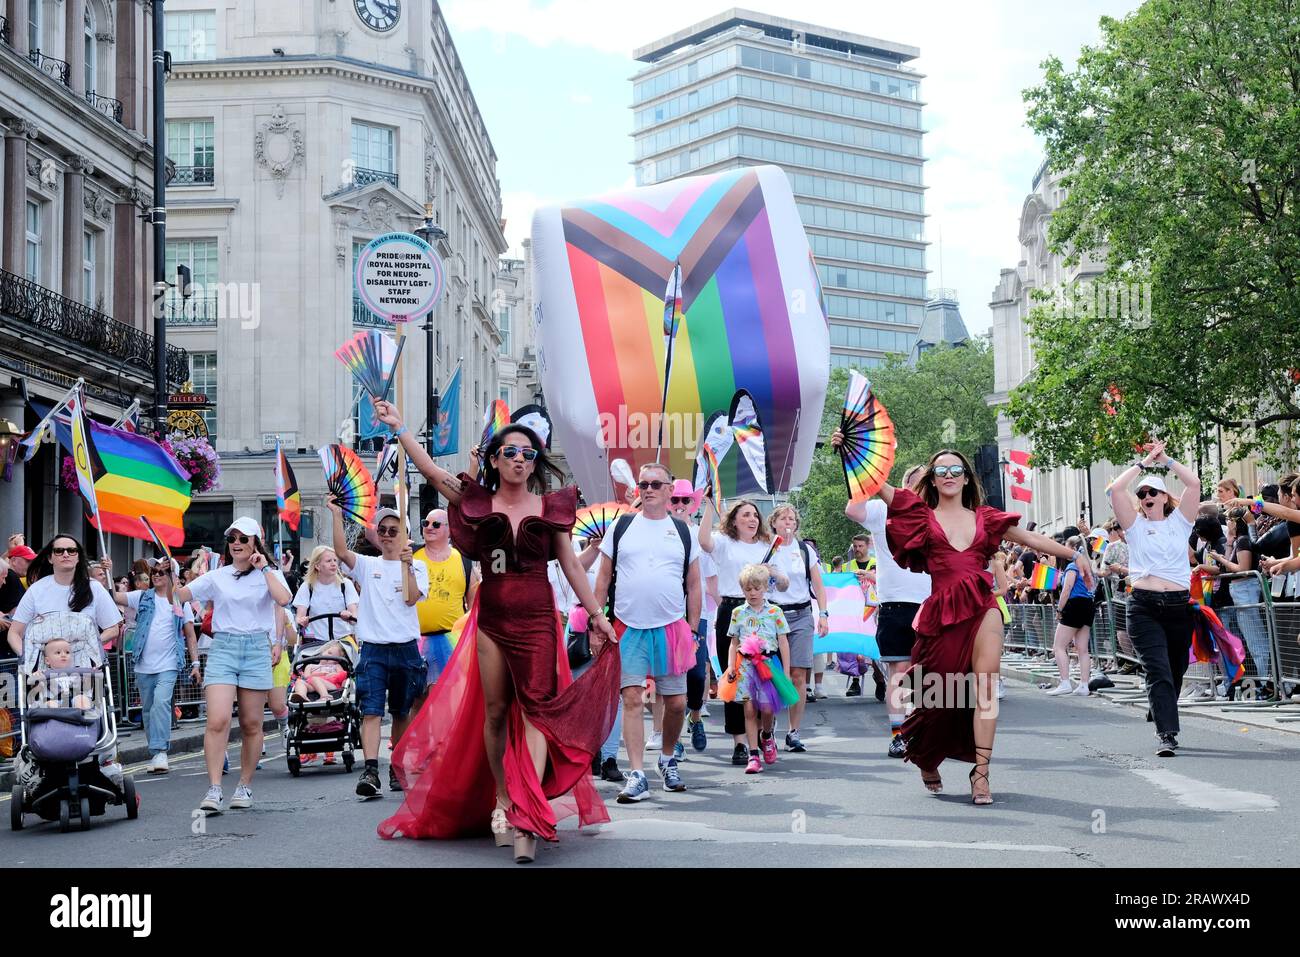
(1076, 783)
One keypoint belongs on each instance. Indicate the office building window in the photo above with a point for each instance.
(503, 324)
(190, 145)
(192, 35)
(372, 148)
(200, 255)
(88, 270)
(203, 377)
(32, 263)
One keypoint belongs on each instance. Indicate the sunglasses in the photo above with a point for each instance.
(432, 524)
(387, 531)
(73, 550)
(510, 451)
(1146, 492)
(240, 539)
(681, 500)
(159, 571)
(656, 485)
(943, 471)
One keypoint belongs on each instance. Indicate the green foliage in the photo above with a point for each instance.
(1180, 133)
(939, 404)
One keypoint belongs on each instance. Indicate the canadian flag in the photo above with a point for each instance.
(1021, 476)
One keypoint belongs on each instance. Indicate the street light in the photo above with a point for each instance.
(430, 233)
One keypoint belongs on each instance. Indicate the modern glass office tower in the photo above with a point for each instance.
(841, 114)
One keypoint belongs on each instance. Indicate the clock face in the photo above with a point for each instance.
(381, 15)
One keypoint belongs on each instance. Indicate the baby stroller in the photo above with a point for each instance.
(322, 725)
(67, 765)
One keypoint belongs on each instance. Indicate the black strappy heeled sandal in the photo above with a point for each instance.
(981, 771)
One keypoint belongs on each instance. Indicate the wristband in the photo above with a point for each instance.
(399, 432)
(823, 614)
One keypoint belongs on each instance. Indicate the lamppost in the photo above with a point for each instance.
(430, 233)
(158, 218)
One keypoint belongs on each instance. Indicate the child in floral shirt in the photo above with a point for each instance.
(757, 660)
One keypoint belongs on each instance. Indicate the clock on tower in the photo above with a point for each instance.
(379, 15)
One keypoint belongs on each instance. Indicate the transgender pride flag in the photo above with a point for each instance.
(849, 630)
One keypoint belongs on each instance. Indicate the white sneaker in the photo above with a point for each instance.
(159, 764)
(1063, 688)
(1002, 688)
(243, 797)
(1082, 690)
(704, 711)
(212, 802)
(818, 693)
(655, 741)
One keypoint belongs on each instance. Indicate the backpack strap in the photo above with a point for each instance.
(807, 562)
(621, 525)
(684, 531)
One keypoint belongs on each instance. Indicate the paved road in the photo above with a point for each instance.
(1076, 784)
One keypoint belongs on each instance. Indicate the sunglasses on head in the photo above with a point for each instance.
(510, 451)
(386, 531)
(681, 500)
(943, 471)
(655, 484)
(65, 550)
(1146, 491)
(234, 538)
(432, 524)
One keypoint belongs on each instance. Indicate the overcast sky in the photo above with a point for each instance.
(553, 82)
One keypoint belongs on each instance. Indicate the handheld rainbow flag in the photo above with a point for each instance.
(84, 456)
(595, 520)
(350, 484)
(777, 542)
(1211, 640)
(1099, 542)
(1045, 578)
(496, 418)
(713, 478)
(867, 452)
(287, 498)
(371, 357)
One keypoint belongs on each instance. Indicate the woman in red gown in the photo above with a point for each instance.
(506, 730)
(946, 530)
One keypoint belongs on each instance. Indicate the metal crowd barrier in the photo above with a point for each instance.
(10, 733)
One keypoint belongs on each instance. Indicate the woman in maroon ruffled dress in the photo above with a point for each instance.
(506, 731)
(945, 529)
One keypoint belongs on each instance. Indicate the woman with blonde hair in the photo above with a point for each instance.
(325, 592)
(741, 540)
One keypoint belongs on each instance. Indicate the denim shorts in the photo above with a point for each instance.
(240, 660)
(392, 671)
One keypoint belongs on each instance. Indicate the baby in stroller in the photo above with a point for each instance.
(319, 677)
(48, 688)
(323, 713)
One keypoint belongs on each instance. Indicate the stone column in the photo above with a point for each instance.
(75, 44)
(128, 260)
(15, 192)
(16, 13)
(74, 219)
(130, 62)
(13, 499)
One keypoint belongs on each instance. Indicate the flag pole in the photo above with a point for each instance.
(670, 334)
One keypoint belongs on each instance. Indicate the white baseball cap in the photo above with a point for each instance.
(1151, 481)
(383, 513)
(245, 525)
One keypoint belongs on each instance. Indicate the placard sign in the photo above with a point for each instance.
(399, 277)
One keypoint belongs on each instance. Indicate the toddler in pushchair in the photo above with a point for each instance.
(67, 764)
(323, 713)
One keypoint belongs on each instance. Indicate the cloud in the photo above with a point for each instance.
(582, 99)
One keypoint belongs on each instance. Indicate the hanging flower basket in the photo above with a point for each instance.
(198, 458)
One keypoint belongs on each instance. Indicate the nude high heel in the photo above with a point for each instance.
(502, 831)
(525, 847)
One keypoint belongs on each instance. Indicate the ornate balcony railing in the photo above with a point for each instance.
(58, 69)
(364, 177)
(105, 104)
(361, 316)
(45, 311)
(192, 176)
(196, 311)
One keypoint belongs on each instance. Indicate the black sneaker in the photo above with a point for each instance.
(368, 785)
(1168, 746)
(740, 756)
(897, 746)
(609, 771)
(393, 783)
(880, 683)
(855, 689)
(792, 743)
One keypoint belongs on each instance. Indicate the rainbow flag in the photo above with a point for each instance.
(139, 478)
(1045, 577)
(1099, 542)
(287, 498)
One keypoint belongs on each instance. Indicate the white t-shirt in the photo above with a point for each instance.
(892, 582)
(731, 556)
(159, 653)
(649, 592)
(789, 558)
(240, 606)
(1160, 549)
(708, 569)
(47, 596)
(326, 600)
(383, 616)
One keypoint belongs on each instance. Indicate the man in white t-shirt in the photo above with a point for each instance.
(651, 560)
(388, 627)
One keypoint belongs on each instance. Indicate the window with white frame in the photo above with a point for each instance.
(200, 255)
(505, 395)
(203, 377)
(190, 145)
(32, 262)
(34, 24)
(372, 148)
(88, 38)
(192, 35)
(503, 325)
(88, 268)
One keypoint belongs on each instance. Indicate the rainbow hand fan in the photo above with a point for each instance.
(595, 520)
(371, 357)
(496, 418)
(868, 449)
(349, 484)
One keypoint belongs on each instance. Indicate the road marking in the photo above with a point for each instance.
(646, 829)
(1190, 792)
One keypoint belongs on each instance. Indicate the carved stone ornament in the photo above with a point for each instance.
(97, 204)
(21, 127)
(429, 175)
(341, 236)
(279, 148)
(378, 215)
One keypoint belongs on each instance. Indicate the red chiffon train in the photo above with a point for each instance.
(442, 762)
